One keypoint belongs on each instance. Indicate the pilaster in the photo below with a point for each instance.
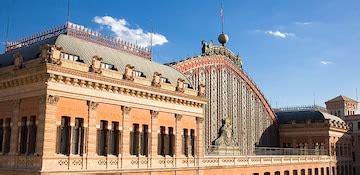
(154, 136)
(47, 125)
(14, 127)
(90, 144)
(199, 137)
(126, 125)
(91, 136)
(178, 139)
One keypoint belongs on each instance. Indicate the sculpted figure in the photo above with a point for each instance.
(18, 61)
(96, 64)
(225, 134)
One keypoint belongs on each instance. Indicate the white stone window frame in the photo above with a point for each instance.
(69, 57)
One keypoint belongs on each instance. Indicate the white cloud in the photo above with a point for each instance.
(122, 30)
(303, 23)
(279, 34)
(326, 62)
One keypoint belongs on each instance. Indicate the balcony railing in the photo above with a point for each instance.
(288, 151)
(235, 151)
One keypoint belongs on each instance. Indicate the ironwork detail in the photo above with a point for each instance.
(83, 33)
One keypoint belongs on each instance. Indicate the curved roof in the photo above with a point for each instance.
(286, 117)
(195, 62)
(86, 50)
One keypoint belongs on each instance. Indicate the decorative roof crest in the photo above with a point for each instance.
(83, 33)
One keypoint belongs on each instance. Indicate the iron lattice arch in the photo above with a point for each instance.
(231, 93)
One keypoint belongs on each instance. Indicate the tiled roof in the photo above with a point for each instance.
(341, 98)
(86, 50)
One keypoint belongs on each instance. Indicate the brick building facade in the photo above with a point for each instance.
(74, 101)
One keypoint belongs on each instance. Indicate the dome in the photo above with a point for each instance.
(303, 116)
(223, 38)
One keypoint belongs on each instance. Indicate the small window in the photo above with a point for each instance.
(145, 140)
(171, 142)
(102, 136)
(185, 141)
(7, 137)
(69, 57)
(115, 139)
(192, 142)
(107, 66)
(164, 80)
(64, 132)
(162, 141)
(134, 140)
(186, 85)
(23, 135)
(138, 73)
(32, 135)
(78, 137)
(1, 134)
(358, 123)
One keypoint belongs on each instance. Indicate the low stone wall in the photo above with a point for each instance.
(187, 165)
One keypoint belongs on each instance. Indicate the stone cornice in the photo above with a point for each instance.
(23, 80)
(200, 61)
(94, 81)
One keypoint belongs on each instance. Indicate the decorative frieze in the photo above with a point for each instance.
(96, 64)
(123, 90)
(23, 81)
(51, 54)
(128, 75)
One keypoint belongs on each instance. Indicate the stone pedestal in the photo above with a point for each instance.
(225, 150)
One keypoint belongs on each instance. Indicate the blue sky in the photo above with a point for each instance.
(291, 49)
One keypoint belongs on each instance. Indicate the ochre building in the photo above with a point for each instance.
(346, 108)
(73, 101)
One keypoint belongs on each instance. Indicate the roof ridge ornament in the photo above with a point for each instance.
(222, 38)
(209, 49)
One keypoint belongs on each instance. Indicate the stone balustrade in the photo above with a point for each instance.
(113, 163)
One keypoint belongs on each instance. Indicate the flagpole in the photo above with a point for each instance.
(222, 19)
(68, 12)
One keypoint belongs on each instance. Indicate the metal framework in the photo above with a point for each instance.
(83, 33)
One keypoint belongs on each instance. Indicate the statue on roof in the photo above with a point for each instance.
(206, 47)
